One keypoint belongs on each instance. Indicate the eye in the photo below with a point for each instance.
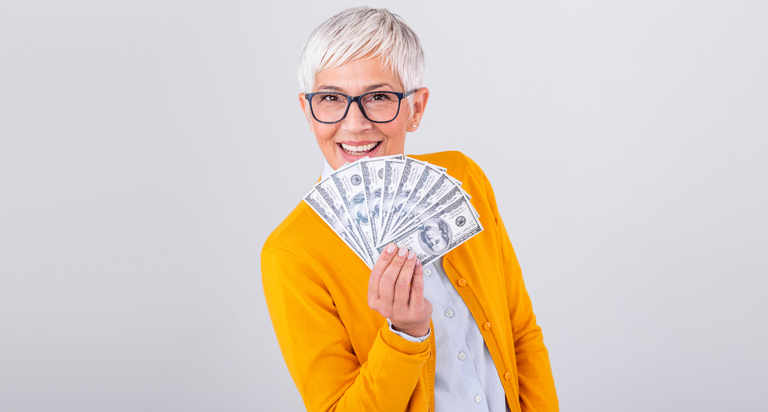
(329, 97)
(329, 100)
(381, 97)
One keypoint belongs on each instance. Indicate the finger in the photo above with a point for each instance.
(388, 279)
(403, 285)
(385, 257)
(378, 269)
(417, 287)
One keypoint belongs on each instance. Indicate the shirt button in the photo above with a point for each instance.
(507, 376)
(487, 325)
(449, 313)
(478, 399)
(462, 282)
(427, 272)
(462, 356)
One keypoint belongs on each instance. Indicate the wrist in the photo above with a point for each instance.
(413, 331)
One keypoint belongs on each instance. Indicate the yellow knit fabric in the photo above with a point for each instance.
(342, 355)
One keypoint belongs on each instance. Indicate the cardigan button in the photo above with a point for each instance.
(487, 325)
(462, 282)
(507, 376)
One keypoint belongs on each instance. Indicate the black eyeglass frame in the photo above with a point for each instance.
(352, 99)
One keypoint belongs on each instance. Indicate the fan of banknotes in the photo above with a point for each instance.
(395, 199)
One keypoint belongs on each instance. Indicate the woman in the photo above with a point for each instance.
(455, 335)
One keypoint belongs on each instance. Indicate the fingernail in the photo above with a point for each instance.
(391, 248)
(411, 255)
(403, 251)
(418, 262)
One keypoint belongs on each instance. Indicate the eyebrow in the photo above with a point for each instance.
(377, 86)
(331, 89)
(367, 89)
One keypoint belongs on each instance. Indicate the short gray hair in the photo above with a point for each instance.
(363, 32)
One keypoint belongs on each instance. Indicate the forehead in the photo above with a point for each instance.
(358, 76)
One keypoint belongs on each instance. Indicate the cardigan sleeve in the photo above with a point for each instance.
(318, 351)
(536, 383)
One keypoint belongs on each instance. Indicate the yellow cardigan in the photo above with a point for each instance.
(342, 355)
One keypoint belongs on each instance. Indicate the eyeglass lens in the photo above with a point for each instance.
(378, 106)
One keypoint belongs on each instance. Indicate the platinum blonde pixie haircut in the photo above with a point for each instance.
(363, 32)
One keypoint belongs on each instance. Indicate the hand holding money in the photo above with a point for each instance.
(396, 291)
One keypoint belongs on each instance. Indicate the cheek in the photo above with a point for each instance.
(324, 133)
(396, 134)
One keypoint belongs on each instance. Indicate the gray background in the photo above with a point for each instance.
(148, 148)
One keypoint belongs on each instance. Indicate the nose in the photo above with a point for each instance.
(355, 121)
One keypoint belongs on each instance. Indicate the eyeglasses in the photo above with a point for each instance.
(378, 107)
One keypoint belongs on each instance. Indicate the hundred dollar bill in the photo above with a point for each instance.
(440, 168)
(427, 179)
(450, 197)
(349, 184)
(441, 232)
(455, 180)
(470, 197)
(409, 178)
(331, 196)
(440, 187)
(316, 202)
(373, 182)
(392, 170)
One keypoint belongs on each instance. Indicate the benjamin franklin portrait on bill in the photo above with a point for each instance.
(357, 209)
(435, 236)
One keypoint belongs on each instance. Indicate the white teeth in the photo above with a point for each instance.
(358, 149)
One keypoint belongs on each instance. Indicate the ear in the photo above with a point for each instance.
(420, 99)
(305, 108)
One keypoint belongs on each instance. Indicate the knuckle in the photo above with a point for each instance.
(383, 258)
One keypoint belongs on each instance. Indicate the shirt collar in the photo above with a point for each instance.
(327, 170)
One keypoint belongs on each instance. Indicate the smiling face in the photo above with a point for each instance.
(355, 136)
